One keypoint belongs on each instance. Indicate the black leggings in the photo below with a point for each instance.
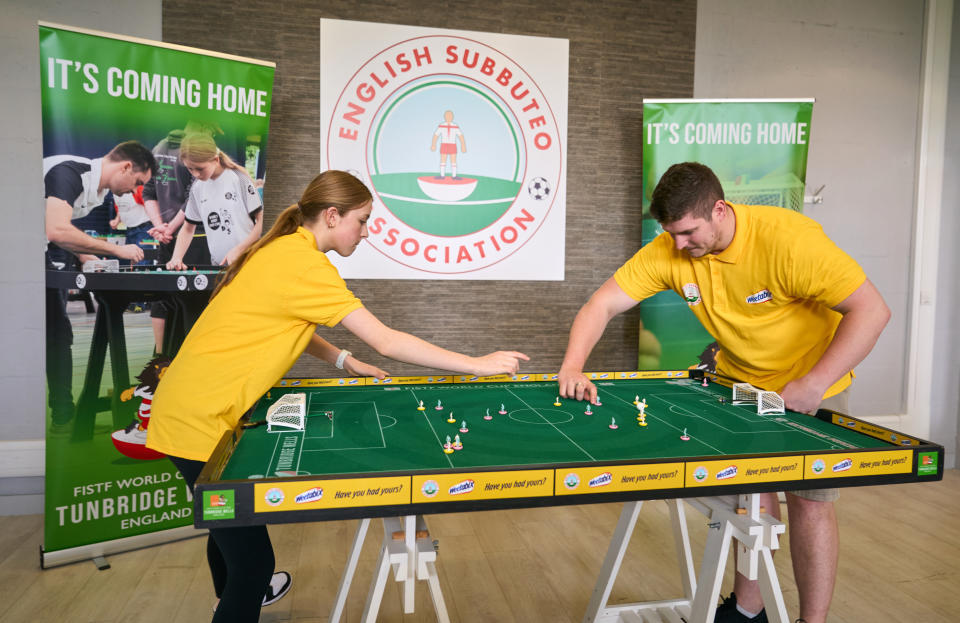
(241, 562)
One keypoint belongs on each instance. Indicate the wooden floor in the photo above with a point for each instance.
(900, 561)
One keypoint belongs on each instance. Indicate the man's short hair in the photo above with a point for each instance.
(687, 188)
(139, 156)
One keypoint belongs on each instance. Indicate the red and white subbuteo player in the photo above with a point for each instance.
(448, 132)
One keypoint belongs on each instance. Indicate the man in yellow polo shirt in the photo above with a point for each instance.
(791, 312)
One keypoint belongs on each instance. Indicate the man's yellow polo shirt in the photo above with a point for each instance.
(766, 298)
(245, 340)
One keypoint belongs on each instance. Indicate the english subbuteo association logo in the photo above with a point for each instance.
(459, 146)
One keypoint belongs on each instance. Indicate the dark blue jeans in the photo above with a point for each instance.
(136, 235)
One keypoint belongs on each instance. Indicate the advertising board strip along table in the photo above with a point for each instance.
(368, 451)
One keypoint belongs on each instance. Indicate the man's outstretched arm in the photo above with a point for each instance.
(608, 301)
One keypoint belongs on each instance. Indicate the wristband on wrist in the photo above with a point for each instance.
(341, 358)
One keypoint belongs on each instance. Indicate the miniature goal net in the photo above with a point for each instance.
(744, 394)
(769, 402)
(287, 413)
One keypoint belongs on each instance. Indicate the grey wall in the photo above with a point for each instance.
(618, 55)
(861, 60)
(22, 386)
(946, 378)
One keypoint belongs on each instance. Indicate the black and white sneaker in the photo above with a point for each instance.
(727, 613)
(278, 587)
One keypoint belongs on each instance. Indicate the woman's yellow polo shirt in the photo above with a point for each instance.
(245, 340)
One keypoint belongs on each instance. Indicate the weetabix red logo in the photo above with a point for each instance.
(459, 146)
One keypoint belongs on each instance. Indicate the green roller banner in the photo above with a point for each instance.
(103, 486)
(758, 149)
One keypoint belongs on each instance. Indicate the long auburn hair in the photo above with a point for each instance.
(337, 189)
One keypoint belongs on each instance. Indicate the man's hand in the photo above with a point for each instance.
(802, 395)
(357, 368)
(129, 252)
(575, 384)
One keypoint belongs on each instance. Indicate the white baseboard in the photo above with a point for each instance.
(19, 459)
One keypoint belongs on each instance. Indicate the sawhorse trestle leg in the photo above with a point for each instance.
(408, 549)
(756, 535)
(668, 610)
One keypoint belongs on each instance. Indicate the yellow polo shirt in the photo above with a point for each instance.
(766, 298)
(245, 340)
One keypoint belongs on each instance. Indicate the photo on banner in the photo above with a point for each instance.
(758, 149)
(461, 137)
(110, 105)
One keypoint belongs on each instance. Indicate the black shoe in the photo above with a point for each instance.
(727, 613)
(278, 587)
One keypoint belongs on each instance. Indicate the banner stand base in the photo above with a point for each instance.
(97, 552)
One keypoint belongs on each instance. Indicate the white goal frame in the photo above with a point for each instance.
(289, 413)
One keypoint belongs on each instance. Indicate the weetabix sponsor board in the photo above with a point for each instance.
(482, 486)
(340, 493)
(331, 382)
(858, 464)
(612, 478)
(743, 471)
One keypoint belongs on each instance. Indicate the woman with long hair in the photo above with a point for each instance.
(261, 317)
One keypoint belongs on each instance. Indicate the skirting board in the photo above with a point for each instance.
(20, 459)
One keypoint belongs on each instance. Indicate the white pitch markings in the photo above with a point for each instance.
(274, 453)
(782, 428)
(299, 454)
(551, 424)
(414, 394)
(352, 402)
(430, 424)
(303, 440)
(379, 425)
(634, 407)
(674, 408)
(796, 428)
(667, 422)
(330, 436)
(343, 449)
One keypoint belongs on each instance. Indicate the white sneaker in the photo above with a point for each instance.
(278, 587)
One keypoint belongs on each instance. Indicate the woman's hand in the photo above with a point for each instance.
(357, 368)
(500, 362)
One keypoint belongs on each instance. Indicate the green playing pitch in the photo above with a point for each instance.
(379, 429)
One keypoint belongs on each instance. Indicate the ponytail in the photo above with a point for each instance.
(287, 223)
(336, 189)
